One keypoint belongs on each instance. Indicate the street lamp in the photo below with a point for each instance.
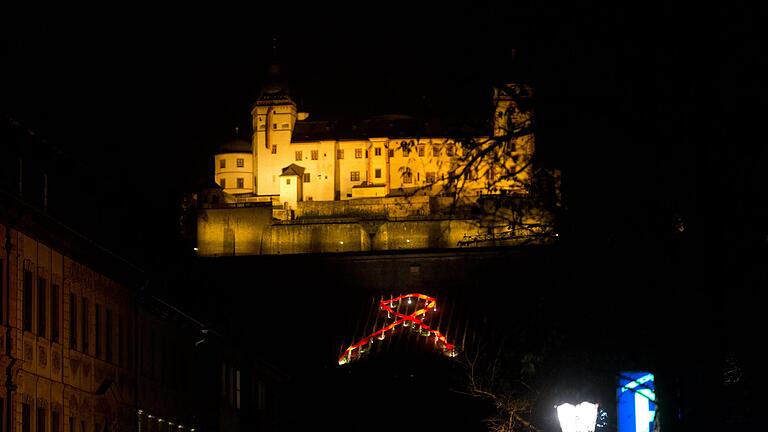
(577, 418)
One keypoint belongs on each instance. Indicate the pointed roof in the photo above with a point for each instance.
(275, 89)
(293, 170)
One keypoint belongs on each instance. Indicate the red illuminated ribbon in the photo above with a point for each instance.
(354, 350)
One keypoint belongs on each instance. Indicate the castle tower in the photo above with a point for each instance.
(233, 169)
(274, 116)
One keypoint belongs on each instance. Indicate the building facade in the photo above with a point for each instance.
(79, 351)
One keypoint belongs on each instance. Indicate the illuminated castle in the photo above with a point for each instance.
(386, 168)
(298, 159)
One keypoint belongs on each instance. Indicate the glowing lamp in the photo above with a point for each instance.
(577, 418)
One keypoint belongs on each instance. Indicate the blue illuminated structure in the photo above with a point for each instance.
(636, 397)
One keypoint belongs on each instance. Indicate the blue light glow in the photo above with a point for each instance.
(636, 398)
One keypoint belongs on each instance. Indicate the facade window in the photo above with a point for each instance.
(84, 324)
(240, 183)
(40, 426)
(27, 307)
(54, 312)
(274, 125)
(237, 389)
(55, 419)
(340, 154)
(436, 151)
(377, 151)
(97, 335)
(430, 177)
(287, 181)
(307, 177)
(72, 321)
(407, 177)
(223, 183)
(108, 334)
(240, 162)
(377, 173)
(222, 163)
(299, 156)
(42, 303)
(354, 176)
(358, 153)
(421, 151)
(449, 150)
(224, 379)
(120, 341)
(391, 153)
(261, 395)
(26, 417)
(313, 154)
(274, 148)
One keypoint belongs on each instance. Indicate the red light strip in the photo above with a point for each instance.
(354, 350)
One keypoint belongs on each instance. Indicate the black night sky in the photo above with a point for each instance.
(654, 113)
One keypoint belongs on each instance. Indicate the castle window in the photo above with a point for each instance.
(307, 177)
(377, 151)
(223, 183)
(435, 151)
(274, 149)
(421, 151)
(354, 176)
(314, 154)
(240, 183)
(299, 155)
(240, 162)
(340, 154)
(377, 173)
(407, 177)
(222, 163)
(430, 177)
(358, 153)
